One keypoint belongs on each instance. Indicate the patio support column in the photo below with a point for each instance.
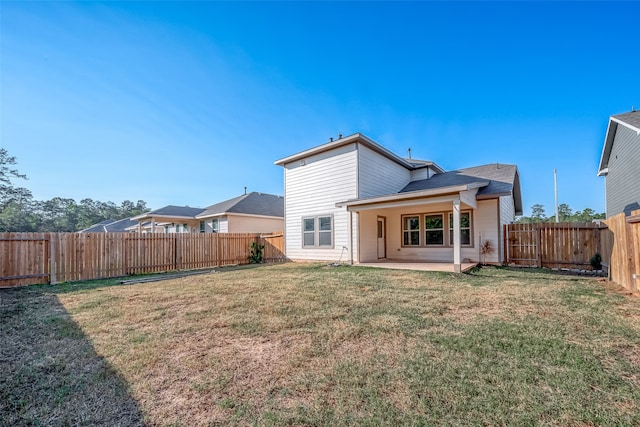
(350, 233)
(153, 225)
(457, 266)
(139, 226)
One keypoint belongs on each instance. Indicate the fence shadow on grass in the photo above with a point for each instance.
(51, 373)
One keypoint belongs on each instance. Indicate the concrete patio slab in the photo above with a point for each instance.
(446, 267)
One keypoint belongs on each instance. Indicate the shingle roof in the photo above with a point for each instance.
(503, 180)
(172, 210)
(110, 226)
(251, 204)
(632, 118)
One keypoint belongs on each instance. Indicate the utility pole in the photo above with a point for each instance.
(555, 187)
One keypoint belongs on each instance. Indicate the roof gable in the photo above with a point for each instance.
(359, 138)
(630, 120)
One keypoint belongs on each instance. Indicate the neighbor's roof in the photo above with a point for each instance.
(249, 204)
(630, 120)
(171, 211)
(110, 226)
(366, 141)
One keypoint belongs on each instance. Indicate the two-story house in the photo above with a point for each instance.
(620, 163)
(352, 200)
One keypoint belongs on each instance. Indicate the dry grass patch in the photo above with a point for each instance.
(309, 345)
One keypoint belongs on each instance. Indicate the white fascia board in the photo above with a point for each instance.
(237, 214)
(166, 217)
(633, 128)
(415, 197)
(406, 203)
(356, 137)
(603, 168)
(606, 147)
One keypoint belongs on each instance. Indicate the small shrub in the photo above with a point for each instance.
(255, 255)
(596, 261)
(486, 249)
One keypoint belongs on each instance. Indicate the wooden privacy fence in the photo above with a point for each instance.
(624, 268)
(554, 245)
(29, 258)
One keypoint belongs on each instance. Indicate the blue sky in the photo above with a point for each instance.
(187, 103)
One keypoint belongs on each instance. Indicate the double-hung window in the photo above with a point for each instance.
(202, 227)
(215, 225)
(317, 232)
(434, 229)
(411, 231)
(465, 228)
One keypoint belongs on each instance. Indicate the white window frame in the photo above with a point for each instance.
(316, 232)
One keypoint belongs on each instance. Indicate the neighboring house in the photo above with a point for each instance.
(250, 213)
(620, 164)
(169, 219)
(110, 226)
(354, 200)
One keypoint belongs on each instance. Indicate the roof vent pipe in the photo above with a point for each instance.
(339, 136)
(245, 190)
(409, 152)
(330, 139)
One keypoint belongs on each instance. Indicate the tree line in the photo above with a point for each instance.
(565, 214)
(20, 212)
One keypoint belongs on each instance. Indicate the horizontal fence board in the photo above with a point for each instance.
(30, 258)
(553, 245)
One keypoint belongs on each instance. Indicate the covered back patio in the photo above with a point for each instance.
(431, 230)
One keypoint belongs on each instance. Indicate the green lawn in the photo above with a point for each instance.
(298, 344)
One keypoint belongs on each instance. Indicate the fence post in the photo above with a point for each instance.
(505, 249)
(538, 231)
(52, 258)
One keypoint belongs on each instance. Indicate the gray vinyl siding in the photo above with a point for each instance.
(313, 186)
(623, 180)
(422, 173)
(377, 175)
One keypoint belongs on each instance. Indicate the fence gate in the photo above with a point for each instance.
(24, 259)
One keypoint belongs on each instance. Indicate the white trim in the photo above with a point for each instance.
(456, 237)
(152, 215)
(468, 197)
(453, 191)
(339, 143)
(626, 124)
(237, 214)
